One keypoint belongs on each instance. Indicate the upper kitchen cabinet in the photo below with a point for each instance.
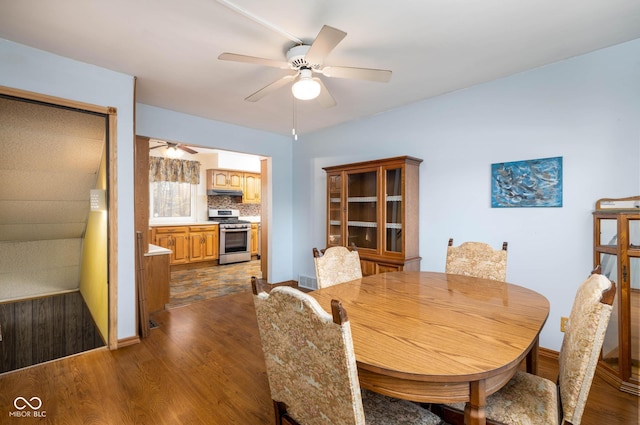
(246, 182)
(374, 205)
(225, 179)
(251, 191)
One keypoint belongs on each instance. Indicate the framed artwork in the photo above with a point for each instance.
(530, 183)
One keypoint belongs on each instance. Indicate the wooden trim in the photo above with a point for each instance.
(548, 353)
(112, 202)
(265, 207)
(39, 97)
(125, 342)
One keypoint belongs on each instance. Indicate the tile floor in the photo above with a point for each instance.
(201, 283)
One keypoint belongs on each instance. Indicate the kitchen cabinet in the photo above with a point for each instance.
(374, 205)
(255, 238)
(204, 243)
(225, 179)
(175, 238)
(189, 244)
(252, 187)
(158, 277)
(616, 237)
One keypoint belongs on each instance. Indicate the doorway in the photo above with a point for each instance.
(194, 278)
(54, 248)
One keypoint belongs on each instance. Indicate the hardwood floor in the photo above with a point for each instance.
(203, 365)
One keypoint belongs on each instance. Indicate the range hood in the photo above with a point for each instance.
(224, 192)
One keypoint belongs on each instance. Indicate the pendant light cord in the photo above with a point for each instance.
(293, 131)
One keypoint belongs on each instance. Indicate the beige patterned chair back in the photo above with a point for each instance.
(582, 343)
(310, 360)
(337, 265)
(477, 259)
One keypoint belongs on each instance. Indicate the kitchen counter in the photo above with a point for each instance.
(197, 223)
(157, 250)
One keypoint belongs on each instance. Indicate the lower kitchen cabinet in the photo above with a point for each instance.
(204, 243)
(189, 244)
(255, 238)
(158, 277)
(175, 238)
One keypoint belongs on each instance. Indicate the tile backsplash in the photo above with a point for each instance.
(233, 202)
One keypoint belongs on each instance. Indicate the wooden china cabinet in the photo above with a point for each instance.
(617, 252)
(374, 205)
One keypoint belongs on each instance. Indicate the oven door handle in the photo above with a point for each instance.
(234, 230)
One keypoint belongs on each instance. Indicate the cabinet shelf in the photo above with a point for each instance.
(362, 199)
(362, 224)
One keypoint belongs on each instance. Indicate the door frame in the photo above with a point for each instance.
(112, 193)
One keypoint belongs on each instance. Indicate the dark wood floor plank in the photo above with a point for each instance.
(42, 329)
(24, 334)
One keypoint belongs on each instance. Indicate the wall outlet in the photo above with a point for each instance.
(563, 323)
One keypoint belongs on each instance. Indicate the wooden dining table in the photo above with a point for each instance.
(438, 338)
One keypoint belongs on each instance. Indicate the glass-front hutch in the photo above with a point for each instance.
(617, 252)
(374, 205)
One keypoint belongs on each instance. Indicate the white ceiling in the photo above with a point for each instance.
(432, 47)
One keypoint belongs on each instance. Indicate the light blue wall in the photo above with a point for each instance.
(167, 125)
(24, 68)
(586, 110)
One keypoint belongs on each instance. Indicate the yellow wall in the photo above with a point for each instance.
(93, 272)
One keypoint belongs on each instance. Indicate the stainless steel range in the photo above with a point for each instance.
(235, 236)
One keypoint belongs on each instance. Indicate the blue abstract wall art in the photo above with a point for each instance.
(531, 183)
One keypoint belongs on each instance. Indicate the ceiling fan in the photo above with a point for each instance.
(305, 60)
(172, 148)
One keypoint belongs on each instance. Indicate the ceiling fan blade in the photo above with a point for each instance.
(187, 149)
(158, 146)
(379, 75)
(254, 60)
(324, 98)
(327, 39)
(271, 88)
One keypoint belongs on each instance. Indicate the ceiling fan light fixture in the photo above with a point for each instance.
(306, 88)
(173, 152)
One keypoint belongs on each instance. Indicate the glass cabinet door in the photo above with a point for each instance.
(634, 294)
(393, 209)
(334, 185)
(611, 344)
(362, 209)
(617, 252)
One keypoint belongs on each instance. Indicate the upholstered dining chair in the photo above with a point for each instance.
(311, 365)
(477, 259)
(336, 264)
(533, 400)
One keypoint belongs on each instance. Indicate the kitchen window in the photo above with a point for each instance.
(172, 189)
(172, 201)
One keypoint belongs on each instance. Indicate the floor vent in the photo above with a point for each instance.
(307, 282)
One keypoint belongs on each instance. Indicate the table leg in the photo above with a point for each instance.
(474, 413)
(532, 358)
